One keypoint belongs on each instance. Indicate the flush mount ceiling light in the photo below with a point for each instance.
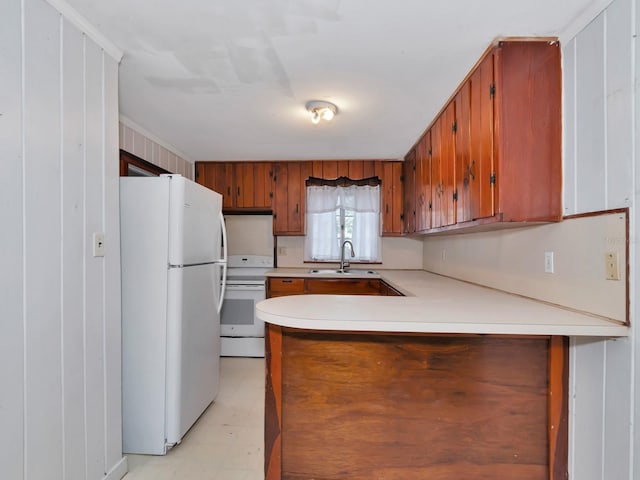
(321, 110)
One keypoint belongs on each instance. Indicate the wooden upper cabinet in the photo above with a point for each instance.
(528, 131)
(391, 194)
(289, 200)
(462, 167)
(219, 177)
(501, 161)
(409, 180)
(443, 168)
(423, 197)
(243, 185)
(481, 166)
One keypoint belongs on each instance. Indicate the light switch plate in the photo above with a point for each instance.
(98, 244)
(548, 262)
(612, 265)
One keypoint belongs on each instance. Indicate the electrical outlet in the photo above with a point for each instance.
(282, 251)
(548, 262)
(612, 266)
(98, 244)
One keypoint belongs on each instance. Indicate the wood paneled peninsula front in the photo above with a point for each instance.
(452, 380)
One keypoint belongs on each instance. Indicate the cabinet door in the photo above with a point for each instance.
(449, 162)
(397, 198)
(295, 190)
(289, 197)
(409, 180)
(390, 175)
(385, 173)
(463, 170)
(244, 190)
(218, 176)
(262, 184)
(423, 184)
(280, 198)
(481, 167)
(443, 157)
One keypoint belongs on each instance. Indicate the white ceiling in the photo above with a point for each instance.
(228, 79)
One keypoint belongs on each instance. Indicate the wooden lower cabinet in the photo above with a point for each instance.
(361, 406)
(282, 286)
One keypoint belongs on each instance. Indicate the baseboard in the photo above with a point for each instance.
(118, 471)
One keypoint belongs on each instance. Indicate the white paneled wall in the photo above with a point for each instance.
(600, 72)
(60, 406)
(134, 140)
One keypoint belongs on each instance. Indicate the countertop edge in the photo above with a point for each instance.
(461, 321)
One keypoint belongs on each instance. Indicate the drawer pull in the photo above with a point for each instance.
(287, 281)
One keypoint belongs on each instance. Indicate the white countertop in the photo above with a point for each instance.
(434, 304)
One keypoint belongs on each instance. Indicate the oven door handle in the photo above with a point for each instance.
(245, 288)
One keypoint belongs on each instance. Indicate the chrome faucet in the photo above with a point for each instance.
(345, 263)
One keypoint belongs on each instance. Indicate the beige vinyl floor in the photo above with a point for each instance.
(227, 442)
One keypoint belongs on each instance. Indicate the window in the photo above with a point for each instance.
(340, 210)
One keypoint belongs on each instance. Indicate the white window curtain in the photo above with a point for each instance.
(335, 214)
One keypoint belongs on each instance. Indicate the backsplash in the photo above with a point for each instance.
(249, 234)
(397, 253)
(514, 261)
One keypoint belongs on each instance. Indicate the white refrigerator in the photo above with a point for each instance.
(173, 250)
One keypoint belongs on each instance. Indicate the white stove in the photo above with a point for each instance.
(242, 334)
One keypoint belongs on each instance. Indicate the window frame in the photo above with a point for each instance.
(341, 215)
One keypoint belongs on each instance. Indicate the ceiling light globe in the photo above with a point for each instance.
(327, 114)
(315, 117)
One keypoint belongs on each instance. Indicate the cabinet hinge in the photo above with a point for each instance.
(275, 178)
(271, 173)
(270, 194)
(454, 127)
(414, 167)
(492, 90)
(402, 216)
(275, 215)
(402, 178)
(430, 151)
(455, 196)
(492, 179)
(430, 205)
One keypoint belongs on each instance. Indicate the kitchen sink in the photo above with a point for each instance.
(337, 271)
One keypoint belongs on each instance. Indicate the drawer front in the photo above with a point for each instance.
(285, 286)
(343, 287)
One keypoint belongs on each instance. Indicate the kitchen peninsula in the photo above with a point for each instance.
(452, 380)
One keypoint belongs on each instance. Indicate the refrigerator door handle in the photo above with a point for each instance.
(223, 262)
